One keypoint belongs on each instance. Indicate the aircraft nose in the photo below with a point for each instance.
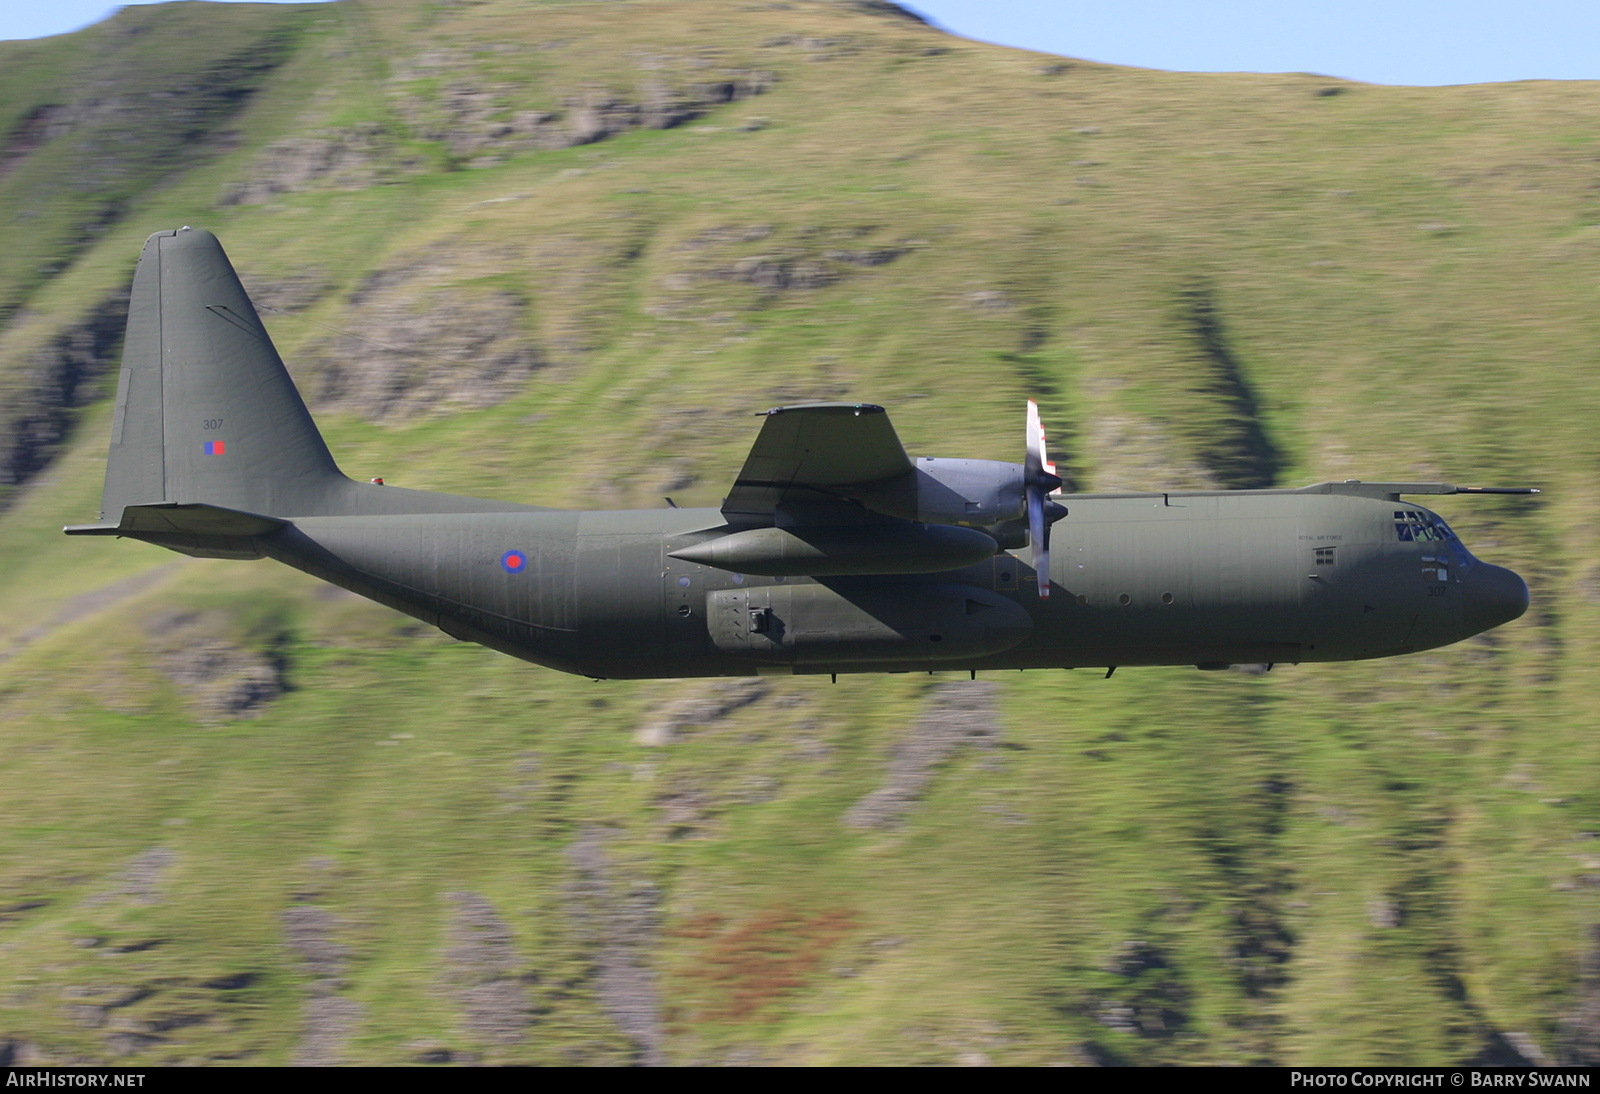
(1494, 595)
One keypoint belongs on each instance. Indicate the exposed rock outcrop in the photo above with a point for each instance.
(811, 258)
(329, 1017)
(222, 679)
(704, 705)
(956, 714)
(341, 159)
(480, 124)
(1580, 1030)
(1148, 994)
(143, 881)
(289, 293)
(622, 922)
(483, 964)
(41, 404)
(414, 348)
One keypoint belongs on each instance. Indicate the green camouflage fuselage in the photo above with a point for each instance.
(1180, 579)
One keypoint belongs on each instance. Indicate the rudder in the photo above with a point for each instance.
(206, 413)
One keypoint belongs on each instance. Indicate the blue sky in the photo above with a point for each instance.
(1376, 41)
(1379, 41)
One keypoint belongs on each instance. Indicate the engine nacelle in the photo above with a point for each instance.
(983, 494)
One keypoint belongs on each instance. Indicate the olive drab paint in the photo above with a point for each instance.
(834, 551)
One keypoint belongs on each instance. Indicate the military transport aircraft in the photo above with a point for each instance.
(833, 552)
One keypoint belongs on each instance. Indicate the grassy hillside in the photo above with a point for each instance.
(561, 252)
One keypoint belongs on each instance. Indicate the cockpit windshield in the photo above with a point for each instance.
(1421, 527)
(1413, 526)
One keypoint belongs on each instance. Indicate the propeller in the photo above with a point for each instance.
(1039, 481)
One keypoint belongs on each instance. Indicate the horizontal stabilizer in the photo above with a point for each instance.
(175, 519)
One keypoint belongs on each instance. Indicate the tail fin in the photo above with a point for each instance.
(206, 412)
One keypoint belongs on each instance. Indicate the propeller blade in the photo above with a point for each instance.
(1039, 479)
(1036, 439)
(1033, 461)
(1039, 534)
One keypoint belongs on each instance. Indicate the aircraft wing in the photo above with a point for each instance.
(809, 455)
